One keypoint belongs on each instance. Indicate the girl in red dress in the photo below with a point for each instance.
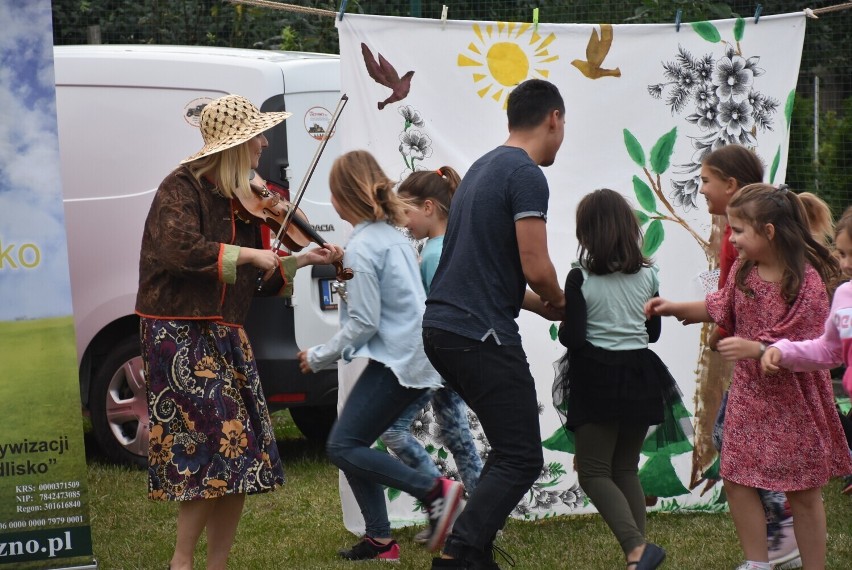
(781, 432)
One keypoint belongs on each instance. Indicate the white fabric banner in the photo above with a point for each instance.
(644, 103)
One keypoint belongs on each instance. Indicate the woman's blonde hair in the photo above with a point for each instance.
(230, 168)
(362, 189)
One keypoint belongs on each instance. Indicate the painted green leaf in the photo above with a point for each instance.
(634, 149)
(442, 453)
(556, 469)
(430, 449)
(641, 217)
(739, 29)
(380, 445)
(788, 107)
(554, 331)
(774, 169)
(661, 154)
(707, 31)
(653, 238)
(712, 472)
(659, 479)
(561, 440)
(393, 493)
(644, 195)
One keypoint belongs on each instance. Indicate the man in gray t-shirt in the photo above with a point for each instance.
(496, 245)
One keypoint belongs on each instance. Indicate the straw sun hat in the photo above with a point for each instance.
(232, 120)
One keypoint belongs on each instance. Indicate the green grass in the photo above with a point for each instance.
(300, 527)
(40, 401)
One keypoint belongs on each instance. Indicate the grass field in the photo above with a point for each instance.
(39, 401)
(300, 527)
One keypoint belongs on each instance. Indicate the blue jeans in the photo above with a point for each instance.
(376, 400)
(454, 432)
(496, 383)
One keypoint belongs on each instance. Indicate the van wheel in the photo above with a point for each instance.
(314, 422)
(118, 403)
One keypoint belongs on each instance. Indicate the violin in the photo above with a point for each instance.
(270, 209)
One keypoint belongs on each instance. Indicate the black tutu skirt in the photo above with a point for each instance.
(595, 385)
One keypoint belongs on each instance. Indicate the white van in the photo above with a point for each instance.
(127, 116)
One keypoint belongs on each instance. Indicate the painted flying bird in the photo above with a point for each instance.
(596, 52)
(384, 73)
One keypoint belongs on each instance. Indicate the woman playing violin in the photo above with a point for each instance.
(211, 439)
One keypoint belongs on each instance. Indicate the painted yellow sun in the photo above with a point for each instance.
(502, 57)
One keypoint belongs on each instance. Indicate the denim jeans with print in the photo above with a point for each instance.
(450, 414)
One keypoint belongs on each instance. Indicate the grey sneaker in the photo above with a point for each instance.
(782, 545)
(791, 565)
(422, 537)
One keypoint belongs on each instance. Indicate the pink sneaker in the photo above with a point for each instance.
(443, 507)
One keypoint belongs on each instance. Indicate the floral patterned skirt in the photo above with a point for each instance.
(211, 434)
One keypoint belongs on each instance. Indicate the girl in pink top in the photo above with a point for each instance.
(781, 433)
(834, 347)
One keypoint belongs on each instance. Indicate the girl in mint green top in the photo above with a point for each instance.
(610, 387)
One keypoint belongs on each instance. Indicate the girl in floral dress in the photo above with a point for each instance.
(781, 432)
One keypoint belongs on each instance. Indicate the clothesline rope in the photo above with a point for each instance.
(835, 8)
(329, 13)
(285, 7)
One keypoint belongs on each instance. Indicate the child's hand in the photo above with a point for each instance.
(303, 362)
(657, 306)
(735, 348)
(771, 360)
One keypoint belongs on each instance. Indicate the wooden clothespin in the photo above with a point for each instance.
(444, 17)
(342, 9)
(678, 14)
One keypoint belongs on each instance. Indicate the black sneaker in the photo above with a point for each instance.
(443, 506)
(450, 564)
(369, 549)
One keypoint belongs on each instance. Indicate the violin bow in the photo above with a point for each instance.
(298, 198)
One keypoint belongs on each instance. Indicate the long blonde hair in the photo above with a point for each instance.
(230, 169)
(819, 217)
(362, 189)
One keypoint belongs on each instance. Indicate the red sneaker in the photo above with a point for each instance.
(443, 507)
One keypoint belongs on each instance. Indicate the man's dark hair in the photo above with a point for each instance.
(531, 102)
